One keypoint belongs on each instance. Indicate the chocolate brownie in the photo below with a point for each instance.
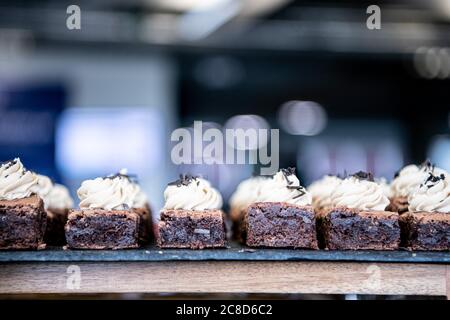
(191, 229)
(54, 233)
(22, 223)
(145, 225)
(279, 224)
(102, 229)
(398, 204)
(353, 229)
(425, 230)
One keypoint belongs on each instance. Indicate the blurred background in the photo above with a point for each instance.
(75, 104)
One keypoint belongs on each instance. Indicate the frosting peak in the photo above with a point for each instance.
(116, 192)
(362, 194)
(322, 189)
(408, 180)
(285, 187)
(433, 195)
(15, 181)
(191, 193)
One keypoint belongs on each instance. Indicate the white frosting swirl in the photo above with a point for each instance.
(359, 194)
(111, 193)
(284, 188)
(15, 181)
(59, 198)
(322, 189)
(247, 192)
(197, 195)
(410, 178)
(43, 188)
(431, 196)
(385, 186)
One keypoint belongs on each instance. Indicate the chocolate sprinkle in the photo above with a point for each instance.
(184, 180)
(8, 163)
(130, 177)
(433, 179)
(361, 175)
(290, 171)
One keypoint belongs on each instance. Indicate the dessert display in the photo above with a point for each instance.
(281, 215)
(22, 213)
(106, 218)
(58, 202)
(247, 192)
(192, 216)
(406, 182)
(357, 219)
(426, 225)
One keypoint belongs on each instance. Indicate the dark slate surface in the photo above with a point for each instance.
(233, 253)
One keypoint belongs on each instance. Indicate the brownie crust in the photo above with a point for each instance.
(102, 229)
(280, 225)
(425, 230)
(22, 223)
(191, 229)
(353, 229)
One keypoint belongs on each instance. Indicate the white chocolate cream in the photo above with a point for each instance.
(359, 193)
(433, 195)
(408, 180)
(322, 189)
(15, 181)
(247, 192)
(59, 198)
(116, 192)
(284, 187)
(191, 193)
(43, 188)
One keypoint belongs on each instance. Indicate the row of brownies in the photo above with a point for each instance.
(350, 213)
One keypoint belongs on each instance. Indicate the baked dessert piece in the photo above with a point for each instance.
(192, 229)
(22, 214)
(280, 224)
(191, 217)
(246, 193)
(106, 218)
(352, 229)
(427, 224)
(102, 229)
(58, 203)
(282, 215)
(406, 182)
(357, 219)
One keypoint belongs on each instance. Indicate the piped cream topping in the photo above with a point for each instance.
(247, 192)
(410, 178)
(285, 187)
(322, 189)
(116, 192)
(15, 181)
(359, 193)
(43, 188)
(191, 193)
(433, 195)
(59, 198)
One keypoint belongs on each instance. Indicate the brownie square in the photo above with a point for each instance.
(102, 229)
(145, 225)
(279, 224)
(22, 223)
(398, 204)
(54, 232)
(352, 229)
(191, 229)
(425, 230)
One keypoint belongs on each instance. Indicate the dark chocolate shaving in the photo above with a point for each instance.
(433, 179)
(130, 177)
(288, 172)
(8, 163)
(184, 180)
(361, 175)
